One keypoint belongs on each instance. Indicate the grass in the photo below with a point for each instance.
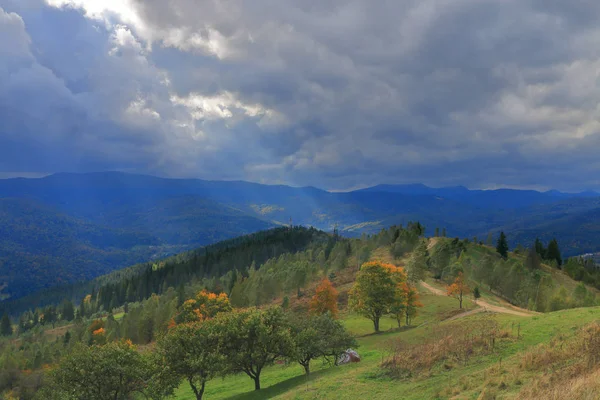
(365, 379)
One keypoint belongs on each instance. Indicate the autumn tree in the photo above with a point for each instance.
(376, 290)
(204, 306)
(189, 352)
(325, 299)
(253, 339)
(502, 246)
(113, 371)
(459, 289)
(412, 302)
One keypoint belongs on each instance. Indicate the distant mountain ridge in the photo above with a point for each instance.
(66, 227)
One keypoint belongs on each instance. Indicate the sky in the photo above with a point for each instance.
(329, 93)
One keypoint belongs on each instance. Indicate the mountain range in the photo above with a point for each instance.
(70, 227)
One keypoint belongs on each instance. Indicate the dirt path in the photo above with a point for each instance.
(484, 305)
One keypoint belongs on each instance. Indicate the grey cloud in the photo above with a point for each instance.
(327, 93)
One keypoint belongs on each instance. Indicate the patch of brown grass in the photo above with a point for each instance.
(446, 346)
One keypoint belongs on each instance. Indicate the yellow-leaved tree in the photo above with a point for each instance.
(204, 306)
(378, 290)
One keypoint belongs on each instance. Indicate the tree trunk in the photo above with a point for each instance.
(376, 324)
(257, 382)
(460, 301)
(399, 320)
(307, 368)
(198, 392)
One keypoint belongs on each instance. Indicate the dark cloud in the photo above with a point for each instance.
(326, 93)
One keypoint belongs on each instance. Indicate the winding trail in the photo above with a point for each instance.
(483, 306)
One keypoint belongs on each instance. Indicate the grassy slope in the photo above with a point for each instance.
(363, 379)
(490, 376)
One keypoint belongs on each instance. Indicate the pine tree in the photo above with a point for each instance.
(553, 252)
(539, 248)
(502, 246)
(5, 326)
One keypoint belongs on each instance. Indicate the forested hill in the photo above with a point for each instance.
(212, 263)
(67, 227)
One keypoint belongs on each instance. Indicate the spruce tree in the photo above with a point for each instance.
(539, 248)
(5, 326)
(502, 246)
(553, 252)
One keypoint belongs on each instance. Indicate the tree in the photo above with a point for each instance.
(67, 311)
(252, 339)
(376, 290)
(325, 299)
(459, 289)
(204, 306)
(5, 325)
(540, 249)
(191, 352)
(553, 252)
(417, 264)
(502, 246)
(532, 260)
(437, 232)
(113, 371)
(476, 293)
(412, 302)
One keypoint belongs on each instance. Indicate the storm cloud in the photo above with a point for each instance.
(335, 94)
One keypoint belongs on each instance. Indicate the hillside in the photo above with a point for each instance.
(266, 268)
(116, 219)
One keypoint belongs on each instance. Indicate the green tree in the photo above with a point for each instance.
(252, 339)
(532, 260)
(540, 249)
(67, 311)
(502, 246)
(553, 252)
(115, 371)
(189, 352)
(376, 289)
(417, 264)
(476, 293)
(5, 326)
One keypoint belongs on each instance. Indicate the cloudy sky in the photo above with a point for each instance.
(335, 94)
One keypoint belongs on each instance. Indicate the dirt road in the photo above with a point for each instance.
(484, 305)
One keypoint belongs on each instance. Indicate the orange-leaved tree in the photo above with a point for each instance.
(406, 304)
(204, 306)
(324, 300)
(459, 289)
(377, 290)
(412, 302)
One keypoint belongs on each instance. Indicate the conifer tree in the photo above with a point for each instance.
(553, 252)
(502, 246)
(5, 326)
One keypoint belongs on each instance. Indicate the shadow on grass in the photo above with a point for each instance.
(389, 331)
(284, 386)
